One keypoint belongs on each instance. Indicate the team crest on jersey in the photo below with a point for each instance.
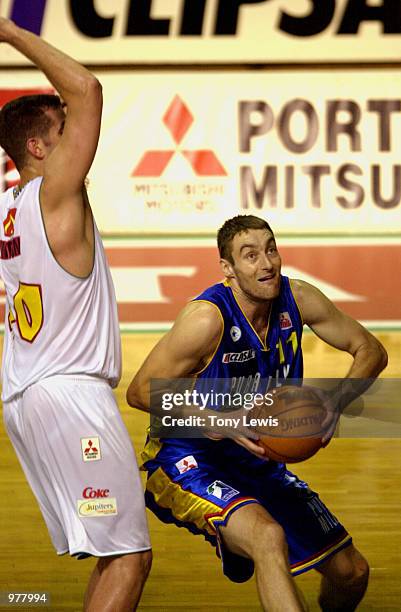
(285, 320)
(8, 222)
(186, 464)
(91, 449)
(235, 333)
(221, 490)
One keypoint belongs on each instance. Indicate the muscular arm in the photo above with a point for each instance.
(182, 352)
(344, 333)
(64, 204)
(340, 331)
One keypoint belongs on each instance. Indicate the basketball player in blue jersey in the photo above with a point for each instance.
(259, 515)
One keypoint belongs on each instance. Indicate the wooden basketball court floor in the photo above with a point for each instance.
(357, 478)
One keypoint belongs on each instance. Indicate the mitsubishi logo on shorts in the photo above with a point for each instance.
(186, 464)
(178, 119)
(91, 448)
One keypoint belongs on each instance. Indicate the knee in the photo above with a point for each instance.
(147, 562)
(270, 541)
(350, 570)
(136, 565)
(356, 571)
(358, 574)
(144, 563)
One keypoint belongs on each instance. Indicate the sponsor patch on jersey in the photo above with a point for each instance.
(239, 357)
(97, 507)
(285, 320)
(221, 490)
(235, 333)
(186, 464)
(8, 223)
(91, 449)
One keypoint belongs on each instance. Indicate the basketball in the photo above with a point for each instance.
(296, 435)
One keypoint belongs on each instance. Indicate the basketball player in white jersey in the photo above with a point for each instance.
(62, 348)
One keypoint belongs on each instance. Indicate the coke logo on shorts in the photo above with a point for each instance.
(90, 493)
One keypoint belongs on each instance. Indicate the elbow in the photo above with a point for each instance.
(130, 396)
(133, 397)
(91, 89)
(382, 358)
(379, 355)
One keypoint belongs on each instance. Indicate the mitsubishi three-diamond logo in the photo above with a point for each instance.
(178, 120)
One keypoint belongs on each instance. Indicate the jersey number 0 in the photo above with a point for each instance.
(28, 308)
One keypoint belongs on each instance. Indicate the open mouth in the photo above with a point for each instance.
(265, 279)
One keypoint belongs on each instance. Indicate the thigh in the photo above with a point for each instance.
(29, 458)
(200, 497)
(313, 533)
(86, 464)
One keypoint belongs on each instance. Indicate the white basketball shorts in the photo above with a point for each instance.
(79, 461)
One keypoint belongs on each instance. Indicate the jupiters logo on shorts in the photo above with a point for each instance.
(91, 448)
(221, 490)
(89, 508)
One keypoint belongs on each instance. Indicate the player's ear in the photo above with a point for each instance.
(227, 268)
(35, 147)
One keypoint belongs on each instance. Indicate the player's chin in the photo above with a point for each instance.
(270, 291)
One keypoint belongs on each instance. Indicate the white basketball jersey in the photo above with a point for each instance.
(56, 323)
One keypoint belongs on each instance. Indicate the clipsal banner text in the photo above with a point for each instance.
(210, 31)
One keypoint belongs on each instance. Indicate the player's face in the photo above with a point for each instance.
(257, 265)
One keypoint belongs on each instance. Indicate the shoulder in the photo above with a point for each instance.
(215, 293)
(200, 317)
(303, 291)
(312, 303)
(193, 337)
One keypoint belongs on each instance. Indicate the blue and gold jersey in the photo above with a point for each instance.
(242, 357)
(198, 483)
(242, 362)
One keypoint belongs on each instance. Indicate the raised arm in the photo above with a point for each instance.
(65, 153)
(66, 168)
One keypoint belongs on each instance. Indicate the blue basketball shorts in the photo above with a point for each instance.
(200, 488)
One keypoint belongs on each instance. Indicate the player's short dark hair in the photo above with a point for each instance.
(24, 118)
(234, 226)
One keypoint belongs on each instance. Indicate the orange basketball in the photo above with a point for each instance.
(297, 431)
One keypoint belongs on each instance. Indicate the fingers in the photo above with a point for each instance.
(250, 446)
(213, 436)
(329, 428)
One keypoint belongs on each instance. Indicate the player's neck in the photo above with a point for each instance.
(256, 311)
(27, 174)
